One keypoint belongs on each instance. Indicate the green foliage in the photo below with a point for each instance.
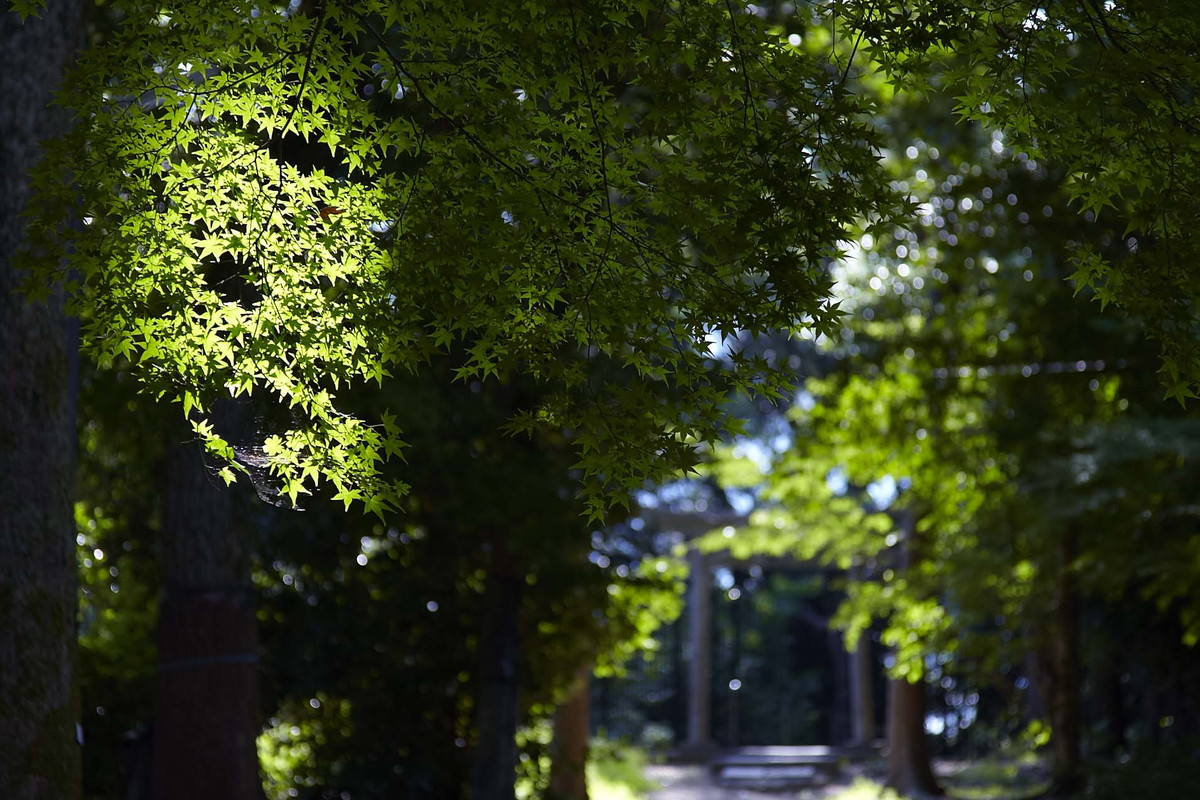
(1106, 92)
(116, 519)
(1006, 413)
(638, 605)
(26, 8)
(387, 619)
(769, 634)
(801, 516)
(560, 208)
(989, 779)
(865, 789)
(616, 770)
(998, 778)
(291, 203)
(118, 610)
(533, 760)
(290, 746)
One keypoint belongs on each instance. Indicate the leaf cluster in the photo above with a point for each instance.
(290, 201)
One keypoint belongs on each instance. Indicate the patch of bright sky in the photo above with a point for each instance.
(723, 577)
(647, 499)
(683, 495)
(1035, 20)
(851, 272)
(756, 451)
(837, 481)
(742, 500)
(882, 492)
(720, 345)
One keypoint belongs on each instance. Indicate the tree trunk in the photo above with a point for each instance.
(39, 703)
(1039, 683)
(568, 750)
(1064, 674)
(841, 723)
(699, 743)
(1110, 702)
(909, 769)
(203, 740)
(862, 696)
(494, 765)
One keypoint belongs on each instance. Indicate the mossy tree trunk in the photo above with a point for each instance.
(39, 748)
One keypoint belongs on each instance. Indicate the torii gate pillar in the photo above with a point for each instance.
(699, 744)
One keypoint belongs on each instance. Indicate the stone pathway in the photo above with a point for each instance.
(695, 783)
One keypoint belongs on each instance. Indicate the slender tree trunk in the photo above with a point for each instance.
(1064, 673)
(909, 766)
(862, 700)
(568, 751)
(841, 722)
(39, 703)
(698, 659)
(494, 765)
(1110, 702)
(203, 741)
(1039, 682)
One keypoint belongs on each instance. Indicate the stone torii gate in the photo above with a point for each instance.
(699, 745)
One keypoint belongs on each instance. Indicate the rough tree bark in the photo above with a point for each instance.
(568, 750)
(39, 750)
(206, 721)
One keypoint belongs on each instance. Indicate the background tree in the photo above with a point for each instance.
(39, 752)
(970, 379)
(205, 720)
(1103, 90)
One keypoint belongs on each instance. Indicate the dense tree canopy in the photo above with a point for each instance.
(289, 200)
